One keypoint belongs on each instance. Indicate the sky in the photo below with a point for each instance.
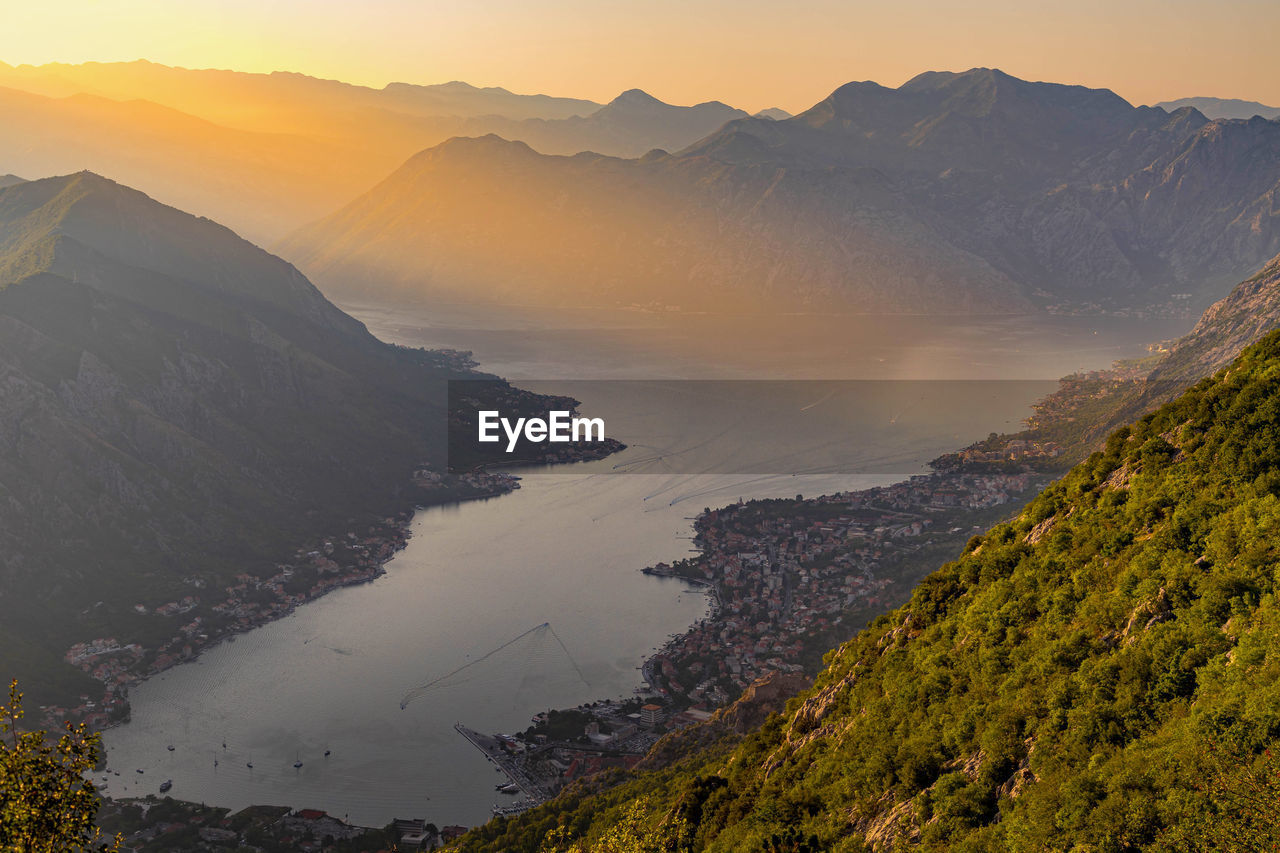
(749, 53)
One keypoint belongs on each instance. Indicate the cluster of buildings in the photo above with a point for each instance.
(253, 599)
(249, 600)
(152, 825)
(784, 573)
(1013, 450)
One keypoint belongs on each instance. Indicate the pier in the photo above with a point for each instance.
(492, 749)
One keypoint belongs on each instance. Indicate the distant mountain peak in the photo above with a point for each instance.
(775, 113)
(1216, 108)
(487, 145)
(636, 97)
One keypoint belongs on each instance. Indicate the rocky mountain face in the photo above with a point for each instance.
(178, 406)
(1086, 408)
(630, 125)
(1222, 107)
(1250, 311)
(973, 192)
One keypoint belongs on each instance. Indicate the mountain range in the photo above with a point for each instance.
(261, 181)
(268, 153)
(1223, 107)
(973, 192)
(630, 125)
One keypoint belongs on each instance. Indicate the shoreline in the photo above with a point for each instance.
(253, 602)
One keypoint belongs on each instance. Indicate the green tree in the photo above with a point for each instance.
(47, 805)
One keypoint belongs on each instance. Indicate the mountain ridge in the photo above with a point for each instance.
(630, 125)
(1216, 108)
(971, 192)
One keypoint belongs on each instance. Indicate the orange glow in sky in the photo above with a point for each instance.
(749, 53)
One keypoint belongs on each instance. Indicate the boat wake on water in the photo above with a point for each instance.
(538, 631)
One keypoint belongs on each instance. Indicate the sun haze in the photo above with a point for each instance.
(749, 53)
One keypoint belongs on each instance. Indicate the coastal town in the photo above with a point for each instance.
(158, 824)
(788, 579)
(212, 614)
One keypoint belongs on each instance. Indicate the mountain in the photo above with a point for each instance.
(9, 180)
(180, 407)
(264, 153)
(630, 125)
(773, 113)
(973, 192)
(283, 102)
(1223, 107)
(263, 183)
(1098, 673)
(463, 99)
(494, 220)
(1087, 407)
(1246, 314)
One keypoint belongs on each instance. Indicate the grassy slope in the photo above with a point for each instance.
(1099, 669)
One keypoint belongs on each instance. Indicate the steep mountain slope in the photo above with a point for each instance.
(1223, 107)
(630, 125)
(179, 407)
(1086, 408)
(969, 192)
(1099, 673)
(1250, 311)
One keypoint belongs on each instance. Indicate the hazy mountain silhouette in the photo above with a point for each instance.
(265, 153)
(955, 192)
(263, 183)
(281, 101)
(1223, 107)
(628, 126)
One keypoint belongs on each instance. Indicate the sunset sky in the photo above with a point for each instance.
(749, 53)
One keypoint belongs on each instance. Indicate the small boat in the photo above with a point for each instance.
(326, 753)
(249, 764)
(166, 785)
(139, 769)
(171, 747)
(297, 764)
